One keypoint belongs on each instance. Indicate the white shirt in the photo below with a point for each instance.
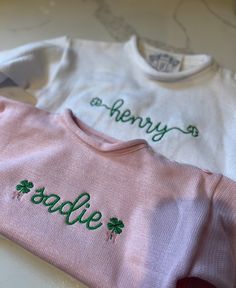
(183, 105)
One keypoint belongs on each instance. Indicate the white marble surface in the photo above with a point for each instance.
(190, 26)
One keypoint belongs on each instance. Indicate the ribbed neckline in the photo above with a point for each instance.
(98, 140)
(132, 48)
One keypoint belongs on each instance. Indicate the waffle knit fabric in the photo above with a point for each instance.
(108, 212)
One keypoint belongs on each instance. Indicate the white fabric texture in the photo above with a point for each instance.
(183, 105)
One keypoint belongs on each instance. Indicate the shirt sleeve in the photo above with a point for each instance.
(33, 65)
(215, 259)
(225, 202)
(223, 225)
(16, 120)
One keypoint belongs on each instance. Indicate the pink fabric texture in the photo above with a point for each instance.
(111, 213)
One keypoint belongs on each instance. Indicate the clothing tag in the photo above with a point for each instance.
(165, 62)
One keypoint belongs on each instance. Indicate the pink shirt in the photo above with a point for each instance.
(111, 213)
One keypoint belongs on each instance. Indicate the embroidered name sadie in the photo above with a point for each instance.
(67, 208)
(158, 130)
(74, 212)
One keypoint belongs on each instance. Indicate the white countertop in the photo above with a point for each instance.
(187, 26)
(191, 26)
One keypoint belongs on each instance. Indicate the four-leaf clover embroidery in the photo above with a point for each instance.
(193, 130)
(23, 188)
(115, 226)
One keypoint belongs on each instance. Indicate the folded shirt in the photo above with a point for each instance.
(111, 213)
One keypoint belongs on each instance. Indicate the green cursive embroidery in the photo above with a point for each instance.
(68, 208)
(158, 130)
(74, 212)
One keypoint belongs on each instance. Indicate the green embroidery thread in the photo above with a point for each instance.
(115, 226)
(67, 209)
(158, 130)
(80, 202)
(22, 188)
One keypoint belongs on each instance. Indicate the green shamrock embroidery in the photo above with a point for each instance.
(115, 226)
(193, 130)
(96, 102)
(23, 188)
